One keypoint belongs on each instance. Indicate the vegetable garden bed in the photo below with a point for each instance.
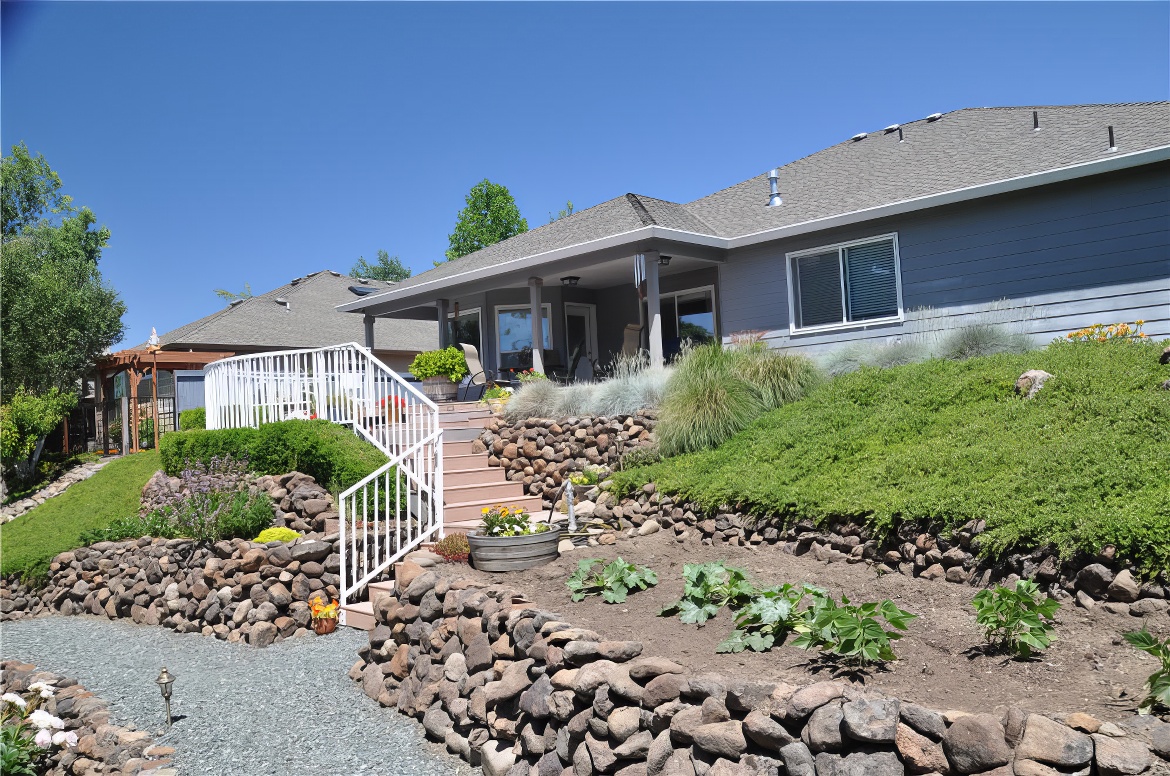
(940, 657)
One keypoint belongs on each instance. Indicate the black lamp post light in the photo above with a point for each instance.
(164, 682)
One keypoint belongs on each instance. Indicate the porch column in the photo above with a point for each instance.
(534, 285)
(653, 309)
(368, 322)
(443, 306)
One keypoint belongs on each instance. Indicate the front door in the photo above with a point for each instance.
(581, 332)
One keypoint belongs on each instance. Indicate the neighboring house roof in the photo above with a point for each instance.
(308, 320)
(966, 148)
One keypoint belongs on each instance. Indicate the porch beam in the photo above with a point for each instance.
(653, 309)
(534, 285)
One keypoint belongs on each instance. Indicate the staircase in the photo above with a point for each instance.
(469, 484)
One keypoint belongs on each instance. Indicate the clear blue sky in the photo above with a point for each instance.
(224, 143)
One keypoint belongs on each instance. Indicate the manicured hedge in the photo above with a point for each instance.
(329, 453)
(1081, 466)
(190, 420)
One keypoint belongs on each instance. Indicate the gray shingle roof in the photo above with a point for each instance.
(308, 321)
(964, 148)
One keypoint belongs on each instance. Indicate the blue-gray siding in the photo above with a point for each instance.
(1062, 256)
(188, 389)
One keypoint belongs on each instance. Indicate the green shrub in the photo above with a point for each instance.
(851, 632)
(1079, 467)
(1157, 687)
(132, 527)
(612, 582)
(24, 419)
(779, 378)
(331, 454)
(276, 534)
(453, 547)
(1014, 618)
(193, 419)
(705, 403)
(448, 362)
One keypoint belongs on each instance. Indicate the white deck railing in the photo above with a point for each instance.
(394, 509)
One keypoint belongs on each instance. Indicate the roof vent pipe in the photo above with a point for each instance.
(1112, 144)
(774, 183)
(1035, 121)
(934, 117)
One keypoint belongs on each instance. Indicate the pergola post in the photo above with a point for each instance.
(534, 285)
(653, 309)
(154, 397)
(443, 306)
(368, 322)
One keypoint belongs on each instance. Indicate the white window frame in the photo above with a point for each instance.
(840, 247)
(478, 314)
(545, 307)
(695, 290)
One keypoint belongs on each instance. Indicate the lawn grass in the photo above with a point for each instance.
(1081, 466)
(29, 542)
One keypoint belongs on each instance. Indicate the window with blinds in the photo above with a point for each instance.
(847, 283)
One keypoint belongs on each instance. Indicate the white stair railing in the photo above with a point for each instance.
(394, 509)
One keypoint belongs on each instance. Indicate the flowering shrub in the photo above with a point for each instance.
(509, 521)
(454, 548)
(1099, 332)
(28, 733)
(276, 534)
(530, 375)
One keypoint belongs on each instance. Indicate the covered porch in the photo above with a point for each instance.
(583, 310)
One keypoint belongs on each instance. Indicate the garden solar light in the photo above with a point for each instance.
(164, 682)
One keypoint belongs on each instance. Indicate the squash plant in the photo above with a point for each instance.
(707, 588)
(612, 582)
(767, 619)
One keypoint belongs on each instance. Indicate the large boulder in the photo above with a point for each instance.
(976, 743)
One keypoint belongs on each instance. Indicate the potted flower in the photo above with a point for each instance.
(324, 615)
(440, 372)
(508, 540)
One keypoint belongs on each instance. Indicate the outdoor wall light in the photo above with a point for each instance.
(571, 280)
(664, 260)
(164, 682)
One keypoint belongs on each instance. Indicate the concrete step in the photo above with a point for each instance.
(460, 406)
(463, 434)
(459, 514)
(485, 475)
(465, 415)
(450, 423)
(359, 615)
(500, 491)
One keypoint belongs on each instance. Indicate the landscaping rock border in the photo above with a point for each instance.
(57, 487)
(914, 549)
(102, 746)
(541, 453)
(520, 692)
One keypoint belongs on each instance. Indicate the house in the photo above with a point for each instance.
(300, 314)
(1055, 217)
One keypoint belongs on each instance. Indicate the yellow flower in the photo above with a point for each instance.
(485, 510)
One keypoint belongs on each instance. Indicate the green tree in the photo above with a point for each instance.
(232, 296)
(57, 314)
(388, 268)
(491, 215)
(564, 212)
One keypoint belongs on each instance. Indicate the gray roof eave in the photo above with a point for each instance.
(405, 298)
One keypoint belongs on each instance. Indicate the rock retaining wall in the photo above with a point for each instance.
(914, 549)
(102, 747)
(541, 453)
(521, 692)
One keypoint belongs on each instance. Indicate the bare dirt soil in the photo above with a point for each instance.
(1088, 668)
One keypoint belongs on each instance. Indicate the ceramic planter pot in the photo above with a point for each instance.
(440, 389)
(324, 625)
(513, 553)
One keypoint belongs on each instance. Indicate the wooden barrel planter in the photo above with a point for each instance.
(513, 553)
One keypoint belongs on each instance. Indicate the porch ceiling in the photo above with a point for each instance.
(596, 271)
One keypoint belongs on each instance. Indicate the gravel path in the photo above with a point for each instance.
(288, 709)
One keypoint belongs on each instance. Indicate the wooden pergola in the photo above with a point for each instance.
(137, 363)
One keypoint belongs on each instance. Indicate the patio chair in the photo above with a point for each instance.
(632, 340)
(477, 377)
(570, 375)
